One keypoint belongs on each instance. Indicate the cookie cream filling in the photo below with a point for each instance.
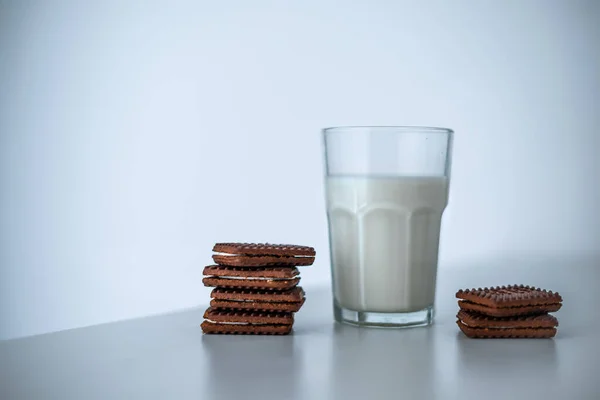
(235, 300)
(253, 278)
(495, 327)
(233, 323)
(216, 253)
(261, 301)
(244, 301)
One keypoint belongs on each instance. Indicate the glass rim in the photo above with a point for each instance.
(399, 129)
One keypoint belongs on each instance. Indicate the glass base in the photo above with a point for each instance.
(383, 320)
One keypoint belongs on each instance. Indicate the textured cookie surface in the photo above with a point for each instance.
(257, 272)
(490, 333)
(248, 317)
(509, 311)
(475, 320)
(278, 306)
(212, 328)
(291, 295)
(268, 249)
(509, 296)
(272, 284)
(262, 261)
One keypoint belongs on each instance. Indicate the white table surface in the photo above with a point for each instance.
(168, 357)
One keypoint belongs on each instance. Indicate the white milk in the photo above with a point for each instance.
(384, 236)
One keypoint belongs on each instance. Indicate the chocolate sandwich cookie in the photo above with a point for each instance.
(261, 261)
(266, 249)
(508, 311)
(283, 301)
(475, 320)
(242, 277)
(512, 300)
(476, 325)
(251, 283)
(263, 254)
(248, 317)
(289, 296)
(249, 273)
(240, 322)
(278, 306)
(510, 333)
(211, 328)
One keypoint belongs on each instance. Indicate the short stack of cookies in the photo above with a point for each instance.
(255, 288)
(514, 311)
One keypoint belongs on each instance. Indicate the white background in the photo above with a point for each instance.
(135, 135)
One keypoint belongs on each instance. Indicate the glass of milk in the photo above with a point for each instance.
(386, 191)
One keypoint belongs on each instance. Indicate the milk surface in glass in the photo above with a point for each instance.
(384, 237)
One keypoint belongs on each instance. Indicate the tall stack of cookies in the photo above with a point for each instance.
(255, 288)
(513, 311)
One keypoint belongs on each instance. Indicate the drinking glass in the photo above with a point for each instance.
(386, 191)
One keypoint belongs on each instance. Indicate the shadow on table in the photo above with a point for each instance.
(499, 353)
(531, 365)
(251, 366)
(370, 362)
